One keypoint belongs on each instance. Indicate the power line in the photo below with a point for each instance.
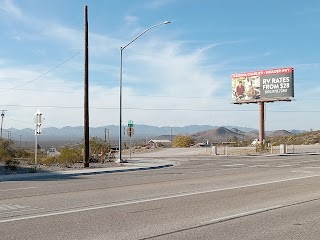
(11, 119)
(163, 109)
(150, 96)
(38, 90)
(153, 96)
(51, 70)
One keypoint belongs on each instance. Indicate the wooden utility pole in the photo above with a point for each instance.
(86, 91)
(105, 135)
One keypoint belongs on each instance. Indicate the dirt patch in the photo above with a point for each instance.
(25, 167)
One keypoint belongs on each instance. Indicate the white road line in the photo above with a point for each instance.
(281, 166)
(15, 189)
(258, 166)
(244, 214)
(126, 203)
(301, 171)
(233, 165)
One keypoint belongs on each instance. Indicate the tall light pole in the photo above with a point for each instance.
(121, 50)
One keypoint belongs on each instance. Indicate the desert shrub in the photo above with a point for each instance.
(182, 141)
(11, 164)
(70, 155)
(97, 145)
(263, 148)
(22, 153)
(67, 156)
(7, 151)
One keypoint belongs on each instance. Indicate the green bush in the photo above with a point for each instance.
(183, 141)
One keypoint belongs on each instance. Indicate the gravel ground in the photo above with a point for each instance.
(24, 167)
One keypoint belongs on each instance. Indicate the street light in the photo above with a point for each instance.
(121, 50)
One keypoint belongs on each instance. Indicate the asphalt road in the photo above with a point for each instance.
(225, 197)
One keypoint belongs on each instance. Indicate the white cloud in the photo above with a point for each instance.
(154, 4)
(10, 8)
(131, 20)
(155, 65)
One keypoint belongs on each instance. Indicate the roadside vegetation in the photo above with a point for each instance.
(9, 154)
(69, 156)
(307, 138)
(182, 141)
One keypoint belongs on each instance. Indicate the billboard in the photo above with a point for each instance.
(265, 85)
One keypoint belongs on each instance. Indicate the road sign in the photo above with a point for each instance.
(130, 124)
(130, 131)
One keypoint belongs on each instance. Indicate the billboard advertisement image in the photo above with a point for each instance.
(264, 85)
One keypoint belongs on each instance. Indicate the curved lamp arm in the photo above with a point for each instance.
(166, 22)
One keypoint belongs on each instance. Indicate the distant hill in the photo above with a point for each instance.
(252, 134)
(294, 131)
(236, 130)
(220, 134)
(279, 133)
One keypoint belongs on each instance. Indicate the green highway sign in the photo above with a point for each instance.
(130, 123)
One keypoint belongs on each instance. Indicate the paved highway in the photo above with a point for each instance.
(203, 197)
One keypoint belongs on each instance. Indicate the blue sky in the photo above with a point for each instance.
(174, 75)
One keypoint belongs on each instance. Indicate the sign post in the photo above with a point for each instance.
(130, 132)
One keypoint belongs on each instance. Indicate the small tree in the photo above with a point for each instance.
(182, 141)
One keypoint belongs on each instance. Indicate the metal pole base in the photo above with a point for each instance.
(121, 161)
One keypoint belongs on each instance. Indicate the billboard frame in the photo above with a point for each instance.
(263, 86)
(281, 80)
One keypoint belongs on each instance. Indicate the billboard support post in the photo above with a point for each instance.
(261, 130)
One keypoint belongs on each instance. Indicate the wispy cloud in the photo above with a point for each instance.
(11, 9)
(154, 4)
(130, 19)
(153, 66)
(308, 11)
(158, 64)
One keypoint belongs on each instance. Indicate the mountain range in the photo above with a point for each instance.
(199, 132)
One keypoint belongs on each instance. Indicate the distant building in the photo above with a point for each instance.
(52, 152)
(159, 143)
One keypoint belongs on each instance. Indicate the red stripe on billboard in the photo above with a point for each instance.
(263, 72)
